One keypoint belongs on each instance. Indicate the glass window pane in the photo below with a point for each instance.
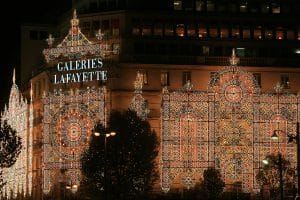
(235, 32)
(265, 8)
(279, 34)
(275, 8)
(191, 31)
(210, 6)
(202, 31)
(199, 5)
(290, 35)
(243, 8)
(180, 30)
(268, 34)
(257, 33)
(213, 32)
(177, 5)
(169, 30)
(224, 33)
(246, 33)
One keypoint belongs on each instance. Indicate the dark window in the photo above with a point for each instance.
(285, 81)
(145, 77)
(164, 78)
(257, 78)
(186, 76)
(33, 35)
(43, 35)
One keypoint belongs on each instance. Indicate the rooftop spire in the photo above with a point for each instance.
(14, 76)
(233, 59)
(31, 92)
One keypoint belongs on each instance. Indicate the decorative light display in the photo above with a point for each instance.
(75, 45)
(228, 127)
(18, 178)
(69, 118)
(138, 103)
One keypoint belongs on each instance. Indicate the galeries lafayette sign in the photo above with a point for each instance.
(77, 71)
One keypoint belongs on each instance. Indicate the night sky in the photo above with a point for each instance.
(17, 13)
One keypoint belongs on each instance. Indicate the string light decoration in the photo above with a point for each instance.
(75, 45)
(228, 127)
(18, 178)
(69, 118)
(138, 103)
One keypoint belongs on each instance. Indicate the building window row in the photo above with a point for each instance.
(203, 31)
(187, 76)
(232, 7)
(171, 49)
(108, 27)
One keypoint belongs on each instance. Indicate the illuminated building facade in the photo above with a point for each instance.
(170, 62)
(19, 115)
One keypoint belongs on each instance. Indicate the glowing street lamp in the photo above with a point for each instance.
(98, 131)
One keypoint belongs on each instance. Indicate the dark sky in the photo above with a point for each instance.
(18, 12)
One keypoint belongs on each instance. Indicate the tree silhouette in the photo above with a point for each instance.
(269, 174)
(130, 164)
(10, 148)
(212, 185)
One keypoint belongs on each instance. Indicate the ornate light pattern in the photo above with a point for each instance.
(18, 178)
(229, 127)
(75, 45)
(69, 118)
(138, 103)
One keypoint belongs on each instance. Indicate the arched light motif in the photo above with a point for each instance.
(138, 103)
(18, 177)
(69, 118)
(232, 129)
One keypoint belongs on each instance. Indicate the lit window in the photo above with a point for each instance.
(186, 76)
(199, 5)
(135, 31)
(202, 32)
(257, 78)
(246, 33)
(169, 30)
(180, 30)
(224, 33)
(265, 8)
(213, 32)
(165, 78)
(275, 8)
(279, 34)
(285, 81)
(243, 7)
(177, 5)
(146, 30)
(145, 77)
(235, 32)
(269, 34)
(257, 33)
